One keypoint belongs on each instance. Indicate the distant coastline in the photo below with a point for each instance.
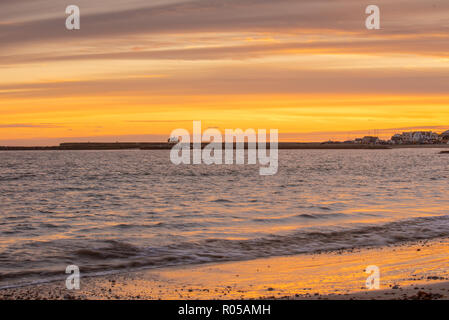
(168, 146)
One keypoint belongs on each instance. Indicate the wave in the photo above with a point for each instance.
(118, 255)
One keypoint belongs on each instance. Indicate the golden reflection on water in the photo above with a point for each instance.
(336, 273)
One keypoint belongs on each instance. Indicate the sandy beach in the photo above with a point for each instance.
(408, 271)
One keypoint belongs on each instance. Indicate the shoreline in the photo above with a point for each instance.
(417, 270)
(168, 146)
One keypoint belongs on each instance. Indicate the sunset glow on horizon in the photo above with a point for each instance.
(138, 70)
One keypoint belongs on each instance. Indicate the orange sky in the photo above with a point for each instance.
(137, 70)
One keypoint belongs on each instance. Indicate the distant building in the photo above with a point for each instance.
(397, 138)
(416, 137)
(370, 140)
(444, 137)
(405, 138)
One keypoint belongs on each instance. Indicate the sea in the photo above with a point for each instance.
(118, 211)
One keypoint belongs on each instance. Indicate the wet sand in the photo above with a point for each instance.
(417, 270)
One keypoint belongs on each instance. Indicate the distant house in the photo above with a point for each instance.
(397, 138)
(370, 140)
(444, 137)
(425, 137)
(416, 137)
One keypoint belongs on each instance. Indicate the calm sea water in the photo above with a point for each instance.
(117, 210)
